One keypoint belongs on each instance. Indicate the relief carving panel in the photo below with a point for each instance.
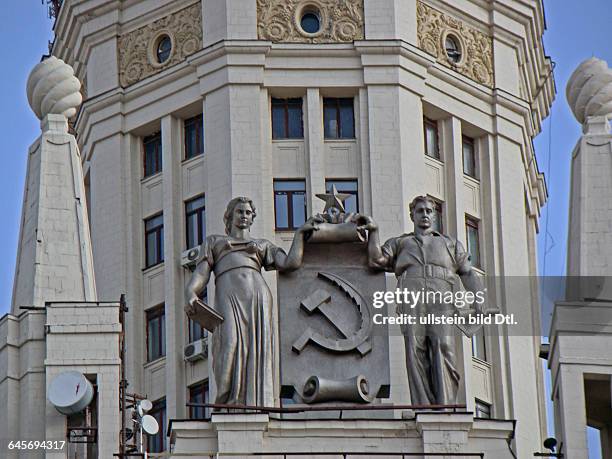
(280, 20)
(137, 49)
(476, 48)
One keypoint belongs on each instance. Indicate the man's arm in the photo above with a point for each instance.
(376, 257)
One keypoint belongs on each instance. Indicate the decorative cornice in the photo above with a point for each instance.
(279, 20)
(476, 62)
(136, 49)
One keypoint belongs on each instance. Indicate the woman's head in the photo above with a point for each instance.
(240, 212)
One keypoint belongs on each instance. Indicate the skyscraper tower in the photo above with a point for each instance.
(190, 103)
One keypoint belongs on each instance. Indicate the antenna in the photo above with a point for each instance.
(149, 424)
(70, 392)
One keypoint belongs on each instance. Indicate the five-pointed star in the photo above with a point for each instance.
(334, 199)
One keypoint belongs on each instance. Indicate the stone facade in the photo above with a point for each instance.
(231, 79)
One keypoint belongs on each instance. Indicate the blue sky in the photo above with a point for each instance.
(576, 31)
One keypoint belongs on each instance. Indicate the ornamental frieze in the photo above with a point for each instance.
(150, 49)
(455, 44)
(310, 21)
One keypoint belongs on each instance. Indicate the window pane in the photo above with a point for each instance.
(190, 140)
(469, 159)
(431, 140)
(154, 222)
(478, 345)
(152, 154)
(279, 130)
(299, 209)
(281, 210)
(345, 186)
(153, 339)
(296, 130)
(473, 242)
(157, 443)
(330, 121)
(289, 185)
(151, 244)
(347, 120)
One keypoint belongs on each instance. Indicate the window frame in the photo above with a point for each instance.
(200, 213)
(289, 194)
(479, 345)
(481, 407)
(160, 414)
(156, 312)
(474, 162)
(339, 130)
(191, 394)
(198, 122)
(159, 241)
(471, 222)
(351, 192)
(285, 103)
(157, 166)
(428, 122)
(439, 213)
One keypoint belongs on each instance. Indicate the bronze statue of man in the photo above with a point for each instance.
(243, 345)
(426, 260)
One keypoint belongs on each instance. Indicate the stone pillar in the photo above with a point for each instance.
(397, 176)
(444, 432)
(173, 276)
(571, 410)
(315, 158)
(228, 20)
(391, 19)
(239, 433)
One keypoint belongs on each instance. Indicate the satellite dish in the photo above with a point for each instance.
(149, 424)
(70, 392)
(144, 406)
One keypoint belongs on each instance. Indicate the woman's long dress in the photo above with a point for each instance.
(243, 346)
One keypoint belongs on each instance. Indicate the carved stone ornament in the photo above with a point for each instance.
(475, 53)
(280, 20)
(137, 50)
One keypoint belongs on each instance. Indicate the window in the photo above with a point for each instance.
(196, 331)
(194, 137)
(431, 138)
(469, 157)
(154, 240)
(438, 222)
(152, 154)
(483, 410)
(289, 204)
(156, 333)
(195, 221)
(164, 47)
(157, 443)
(453, 50)
(199, 393)
(338, 118)
(473, 241)
(479, 348)
(287, 119)
(348, 186)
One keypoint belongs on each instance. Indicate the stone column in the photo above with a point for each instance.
(571, 410)
(173, 276)
(315, 158)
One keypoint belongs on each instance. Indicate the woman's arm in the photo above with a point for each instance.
(195, 287)
(293, 260)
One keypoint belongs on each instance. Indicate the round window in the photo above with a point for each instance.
(453, 50)
(164, 47)
(310, 22)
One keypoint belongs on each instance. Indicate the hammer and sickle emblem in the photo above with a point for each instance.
(320, 301)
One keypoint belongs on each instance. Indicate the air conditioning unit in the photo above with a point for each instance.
(198, 350)
(189, 258)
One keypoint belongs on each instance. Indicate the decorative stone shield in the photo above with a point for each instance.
(328, 348)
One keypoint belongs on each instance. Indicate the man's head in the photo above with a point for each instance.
(422, 210)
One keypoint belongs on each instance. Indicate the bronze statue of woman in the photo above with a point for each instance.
(243, 345)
